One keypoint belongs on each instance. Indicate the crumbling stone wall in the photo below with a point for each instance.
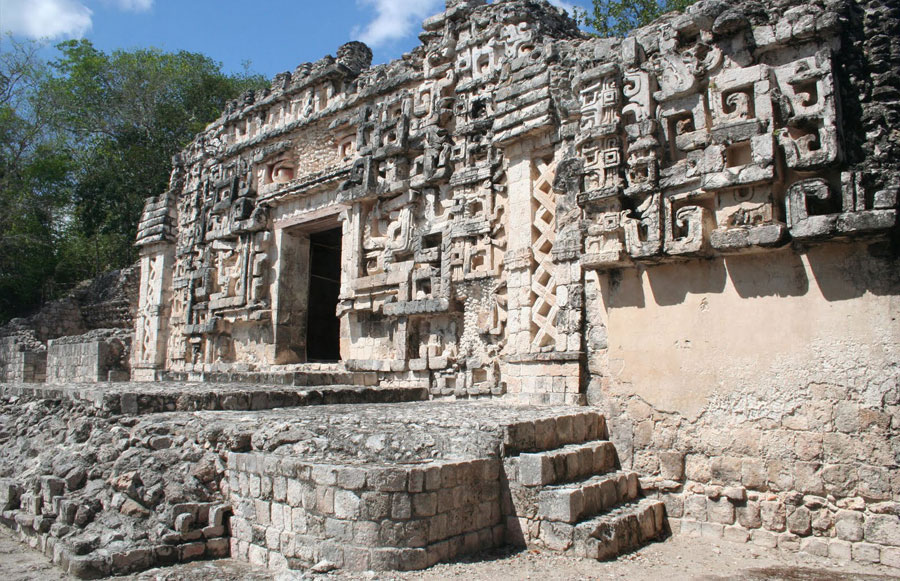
(103, 493)
(294, 513)
(99, 355)
(96, 309)
(22, 358)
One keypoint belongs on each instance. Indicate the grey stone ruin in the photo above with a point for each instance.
(657, 274)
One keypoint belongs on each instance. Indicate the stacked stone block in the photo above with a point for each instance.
(137, 399)
(546, 381)
(565, 494)
(292, 514)
(843, 529)
(19, 364)
(95, 356)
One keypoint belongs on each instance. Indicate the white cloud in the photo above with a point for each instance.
(395, 19)
(45, 18)
(131, 5)
(56, 18)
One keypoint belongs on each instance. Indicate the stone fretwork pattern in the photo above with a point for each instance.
(476, 182)
(691, 232)
(692, 229)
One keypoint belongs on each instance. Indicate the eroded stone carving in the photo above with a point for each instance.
(472, 183)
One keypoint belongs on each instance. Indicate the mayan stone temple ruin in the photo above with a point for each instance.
(523, 286)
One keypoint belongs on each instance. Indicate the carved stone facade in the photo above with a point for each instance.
(470, 189)
(691, 230)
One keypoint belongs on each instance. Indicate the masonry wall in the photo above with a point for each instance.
(21, 361)
(289, 513)
(95, 356)
(693, 228)
(782, 388)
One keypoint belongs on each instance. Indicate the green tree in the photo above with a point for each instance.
(84, 140)
(619, 17)
(34, 181)
(129, 112)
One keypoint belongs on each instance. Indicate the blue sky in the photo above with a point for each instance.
(273, 35)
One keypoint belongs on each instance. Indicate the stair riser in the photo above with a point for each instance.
(571, 505)
(605, 540)
(560, 466)
(551, 433)
(620, 534)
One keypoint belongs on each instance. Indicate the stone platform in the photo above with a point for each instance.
(404, 486)
(363, 486)
(169, 396)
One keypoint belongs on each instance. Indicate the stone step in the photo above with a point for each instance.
(307, 375)
(565, 464)
(551, 433)
(570, 503)
(624, 529)
(608, 535)
(149, 398)
(321, 378)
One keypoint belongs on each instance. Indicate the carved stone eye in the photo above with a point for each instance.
(281, 172)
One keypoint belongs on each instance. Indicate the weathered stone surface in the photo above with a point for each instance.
(849, 525)
(514, 210)
(883, 529)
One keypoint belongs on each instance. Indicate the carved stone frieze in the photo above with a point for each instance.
(463, 191)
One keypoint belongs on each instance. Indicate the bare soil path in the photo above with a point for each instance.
(678, 558)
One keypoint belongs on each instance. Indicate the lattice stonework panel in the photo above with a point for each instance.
(543, 282)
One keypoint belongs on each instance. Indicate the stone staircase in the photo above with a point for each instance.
(569, 495)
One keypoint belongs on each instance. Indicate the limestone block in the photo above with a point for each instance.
(424, 504)
(788, 541)
(748, 515)
(695, 507)
(258, 556)
(720, 511)
(725, 470)
(401, 506)
(712, 530)
(772, 514)
(866, 553)
(883, 529)
(387, 479)
(890, 556)
(849, 525)
(671, 465)
(736, 534)
(346, 504)
(799, 521)
(191, 551)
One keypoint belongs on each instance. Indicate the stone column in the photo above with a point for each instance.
(154, 307)
(290, 297)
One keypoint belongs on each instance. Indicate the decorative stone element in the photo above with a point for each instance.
(692, 228)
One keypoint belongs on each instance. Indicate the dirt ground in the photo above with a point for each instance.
(677, 558)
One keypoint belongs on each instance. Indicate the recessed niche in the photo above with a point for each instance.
(738, 154)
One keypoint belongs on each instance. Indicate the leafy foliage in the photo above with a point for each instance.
(34, 168)
(619, 17)
(84, 139)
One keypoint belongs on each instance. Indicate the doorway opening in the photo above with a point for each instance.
(323, 328)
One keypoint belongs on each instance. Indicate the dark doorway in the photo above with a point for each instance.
(323, 329)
